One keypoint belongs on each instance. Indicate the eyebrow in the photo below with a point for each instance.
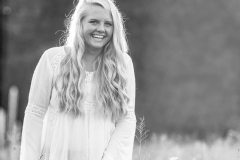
(95, 19)
(109, 21)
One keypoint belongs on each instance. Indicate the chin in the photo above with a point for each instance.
(98, 46)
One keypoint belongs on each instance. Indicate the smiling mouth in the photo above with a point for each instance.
(98, 37)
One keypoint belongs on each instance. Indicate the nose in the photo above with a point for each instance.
(101, 28)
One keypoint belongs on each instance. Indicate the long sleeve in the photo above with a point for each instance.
(39, 97)
(121, 143)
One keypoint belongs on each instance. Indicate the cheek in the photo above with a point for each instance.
(87, 29)
(85, 35)
(110, 32)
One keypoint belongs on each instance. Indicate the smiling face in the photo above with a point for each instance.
(97, 28)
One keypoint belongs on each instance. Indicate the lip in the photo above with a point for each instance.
(98, 36)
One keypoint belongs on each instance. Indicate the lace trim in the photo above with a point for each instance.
(88, 77)
(88, 105)
(36, 110)
(131, 116)
(55, 62)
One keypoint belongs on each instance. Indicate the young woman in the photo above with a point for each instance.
(82, 96)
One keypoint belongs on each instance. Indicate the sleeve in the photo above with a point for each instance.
(39, 97)
(121, 143)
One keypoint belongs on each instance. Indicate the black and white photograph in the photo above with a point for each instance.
(120, 80)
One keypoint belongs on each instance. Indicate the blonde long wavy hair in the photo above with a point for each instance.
(110, 68)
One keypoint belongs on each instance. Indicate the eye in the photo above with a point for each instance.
(108, 24)
(94, 22)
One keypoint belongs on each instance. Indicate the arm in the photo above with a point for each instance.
(121, 143)
(39, 97)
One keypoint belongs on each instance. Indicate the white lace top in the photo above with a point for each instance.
(50, 135)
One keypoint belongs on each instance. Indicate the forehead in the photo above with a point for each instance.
(98, 12)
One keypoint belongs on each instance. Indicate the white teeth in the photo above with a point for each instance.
(97, 36)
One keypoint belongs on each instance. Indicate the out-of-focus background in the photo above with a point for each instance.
(186, 55)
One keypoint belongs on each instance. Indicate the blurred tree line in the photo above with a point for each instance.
(186, 55)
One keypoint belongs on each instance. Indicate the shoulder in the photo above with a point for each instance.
(129, 63)
(127, 58)
(55, 53)
(54, 56)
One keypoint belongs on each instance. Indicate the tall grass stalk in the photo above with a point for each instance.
(141, 139)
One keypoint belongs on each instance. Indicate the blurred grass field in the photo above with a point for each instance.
(163, 147)
(185, 147)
